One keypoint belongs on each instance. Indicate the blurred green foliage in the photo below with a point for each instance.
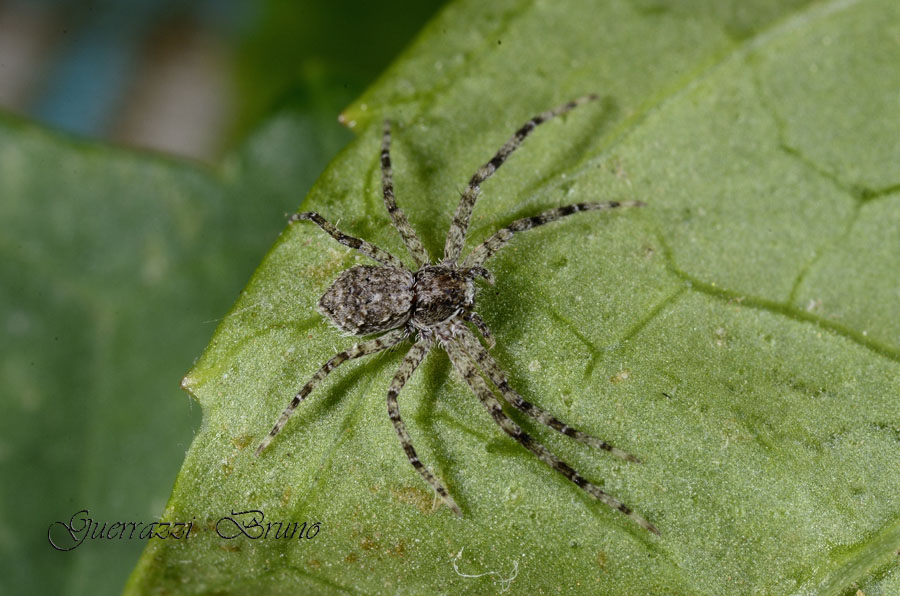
(334, 48)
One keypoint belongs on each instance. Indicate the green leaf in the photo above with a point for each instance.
(740, 334)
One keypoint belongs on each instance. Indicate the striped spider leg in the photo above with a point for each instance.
(468, 371)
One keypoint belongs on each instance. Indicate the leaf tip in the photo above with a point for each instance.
(187, 383)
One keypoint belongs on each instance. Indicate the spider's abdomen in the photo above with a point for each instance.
(439, 293)
(366, 299)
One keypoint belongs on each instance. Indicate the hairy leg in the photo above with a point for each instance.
(370, 250)
(468, 371)
(412, 360)
(490, 367)
(486, 249)
(456, 237)
(410, 239)
(361, 349)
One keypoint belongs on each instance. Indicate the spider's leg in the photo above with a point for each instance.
(370, 250)
(467, 370)
(456, 237)
(410, 239)
(489, 366)
(361, 349)
(474, 318)
(407, 367)
(486, 249)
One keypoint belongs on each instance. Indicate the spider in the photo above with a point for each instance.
(431, 306)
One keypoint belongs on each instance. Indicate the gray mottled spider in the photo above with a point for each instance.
(431, 306)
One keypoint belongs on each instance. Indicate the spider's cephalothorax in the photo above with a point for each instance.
(431, 304)
(440, 293)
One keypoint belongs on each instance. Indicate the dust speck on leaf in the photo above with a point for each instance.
(721, 336)
(413, 496)
(286, 495)
(620, 376)
(242, 441)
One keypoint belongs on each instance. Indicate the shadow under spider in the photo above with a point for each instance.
(435, 374)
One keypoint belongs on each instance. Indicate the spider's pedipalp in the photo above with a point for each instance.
(440, 293)
(410, 238)
(480, 272)
(366, 248)
(474, 318)
(469, 372)
(410, 362)
(490, 367)
(489, 247)
(456, 237)
(362, 349)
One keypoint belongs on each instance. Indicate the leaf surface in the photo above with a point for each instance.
(740, 334)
